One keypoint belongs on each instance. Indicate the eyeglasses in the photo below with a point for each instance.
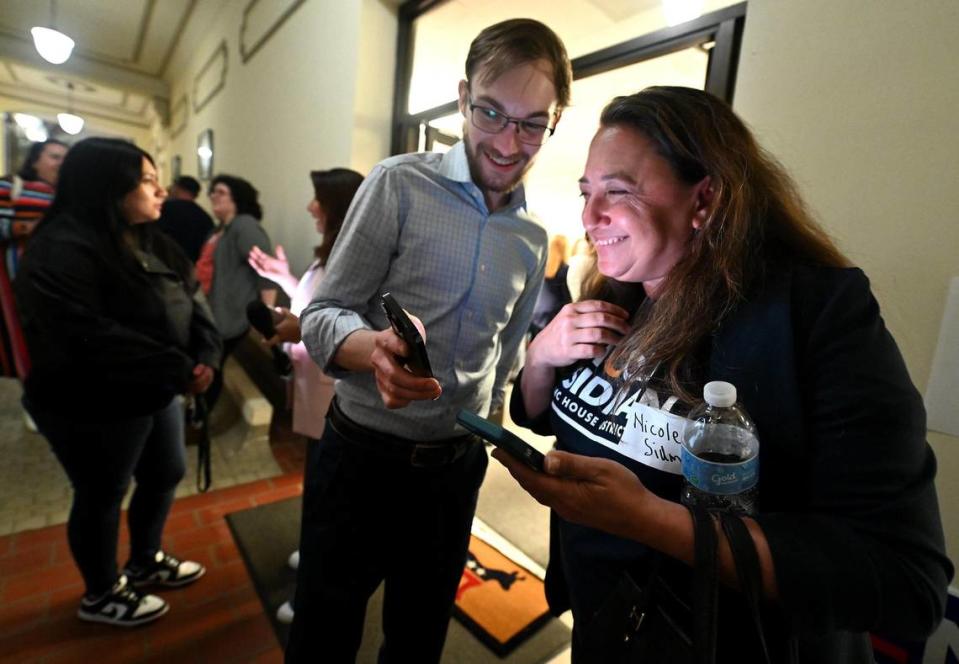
(492, 121)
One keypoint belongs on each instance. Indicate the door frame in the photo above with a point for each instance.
(723, 27)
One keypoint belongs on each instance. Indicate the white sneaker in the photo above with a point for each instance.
(294, 560)
(123, 606)
(284, 614)
(165, 570)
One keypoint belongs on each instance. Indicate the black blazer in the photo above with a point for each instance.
(847, 496)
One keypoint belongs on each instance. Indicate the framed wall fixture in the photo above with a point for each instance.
(176, 167)
(260, 23)
(204, 154)
(178, 116)
(210, 79)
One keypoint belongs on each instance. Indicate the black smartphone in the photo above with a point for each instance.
(262, 318)
(418, 361)
(502, 438)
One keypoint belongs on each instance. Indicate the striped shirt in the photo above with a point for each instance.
(420, 229)
(18, 218)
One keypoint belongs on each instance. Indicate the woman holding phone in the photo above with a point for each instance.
(712, 269)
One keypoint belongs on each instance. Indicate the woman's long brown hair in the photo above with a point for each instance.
(756, 217)
(333, 190)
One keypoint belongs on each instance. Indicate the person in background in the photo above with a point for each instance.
(24, 198)
(580, 263)
(555, 293)
(223, 270)
(117, 329)
(184, 220)
(333, 192)
(714, 270)
(390, 490)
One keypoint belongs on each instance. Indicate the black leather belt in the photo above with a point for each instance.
(429, 454)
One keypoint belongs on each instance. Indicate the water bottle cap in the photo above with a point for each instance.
(719, 393)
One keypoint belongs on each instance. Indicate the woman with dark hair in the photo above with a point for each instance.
(43, 161)
(116, 329)
(714, 270)
(24, 198)
(312, 390)
(333, 192)
(229, 282)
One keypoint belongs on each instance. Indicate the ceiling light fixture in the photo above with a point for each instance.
(26, 121)
(52, 45)
(70, 123)
(36, 134)
(32, 127)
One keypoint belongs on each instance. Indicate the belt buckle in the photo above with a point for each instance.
(430, 456)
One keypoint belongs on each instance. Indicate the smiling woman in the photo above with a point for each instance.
(711, 268)
(638, 215)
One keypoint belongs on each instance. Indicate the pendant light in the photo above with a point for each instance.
(69, 122)
(52, 45)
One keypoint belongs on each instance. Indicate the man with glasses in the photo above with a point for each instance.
(391, 488)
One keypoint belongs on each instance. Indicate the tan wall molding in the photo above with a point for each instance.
(262, 25)
(210, 79)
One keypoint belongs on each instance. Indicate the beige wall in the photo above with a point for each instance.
(314, 96)
(858, 99)
(373, 97)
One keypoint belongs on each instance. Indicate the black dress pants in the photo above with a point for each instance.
(369, 518)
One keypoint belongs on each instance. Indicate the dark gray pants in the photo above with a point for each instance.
(100, 458)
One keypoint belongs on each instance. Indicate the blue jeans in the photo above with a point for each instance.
(367, 519)
(100, 458)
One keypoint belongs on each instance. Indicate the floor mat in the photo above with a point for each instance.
(499, 600)
(266, 536)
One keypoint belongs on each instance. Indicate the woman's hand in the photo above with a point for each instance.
(267, 266)
(202, 377)
(287, 328)
(590, 491)
(397, 386)
(275, 269)
(605, 495)
(579, 331)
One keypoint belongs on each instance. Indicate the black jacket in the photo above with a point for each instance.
(847, 499)
(105, 340)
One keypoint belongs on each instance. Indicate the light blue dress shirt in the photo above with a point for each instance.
(420, 229)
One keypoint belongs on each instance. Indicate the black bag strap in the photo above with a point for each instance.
(705, 585)
(200, 419)
(747, 569)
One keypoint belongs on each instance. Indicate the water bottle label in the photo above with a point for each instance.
(723, 479)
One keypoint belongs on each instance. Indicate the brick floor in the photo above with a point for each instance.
(217, 619)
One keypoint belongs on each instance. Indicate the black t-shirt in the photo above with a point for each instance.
(641, 429)
(187, 223)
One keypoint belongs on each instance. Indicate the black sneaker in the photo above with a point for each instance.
(165, 571)
(122, 606)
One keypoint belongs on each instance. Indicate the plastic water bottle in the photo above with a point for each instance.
(720, 453)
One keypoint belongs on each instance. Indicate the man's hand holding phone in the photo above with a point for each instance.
(397, 384)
